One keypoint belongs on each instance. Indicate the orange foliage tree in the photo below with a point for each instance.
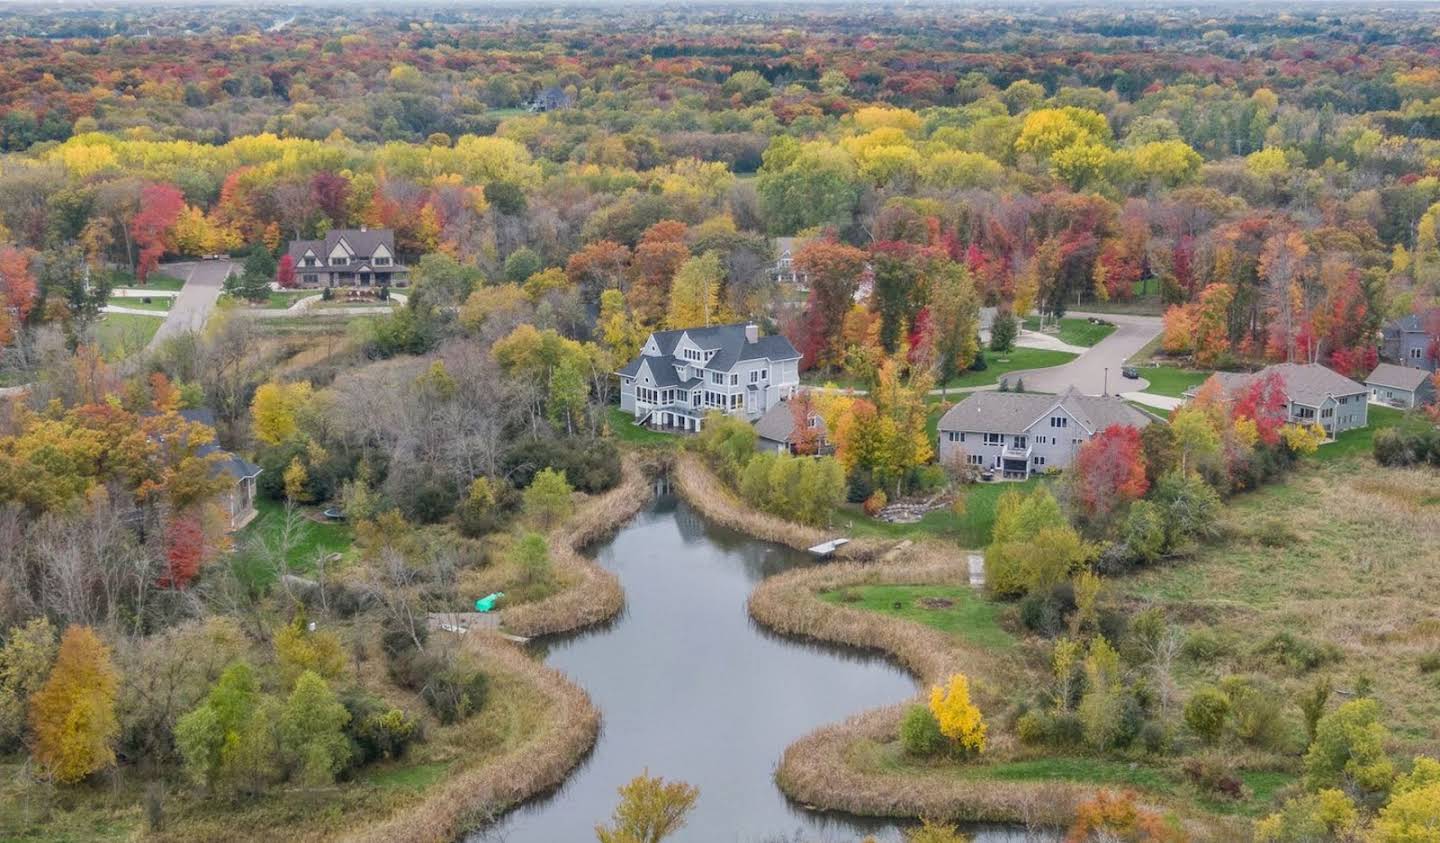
(73, 714)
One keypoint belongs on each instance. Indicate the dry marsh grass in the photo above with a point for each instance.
(565, 731)
(590, 594)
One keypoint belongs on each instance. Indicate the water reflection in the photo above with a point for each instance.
(690, 688)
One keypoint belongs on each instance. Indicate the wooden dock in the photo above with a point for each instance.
(460, 623)
(825, 550)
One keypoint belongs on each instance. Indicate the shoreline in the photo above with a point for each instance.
(480, 795)
(816, 771)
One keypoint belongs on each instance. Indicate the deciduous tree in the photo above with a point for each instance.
(73, 715)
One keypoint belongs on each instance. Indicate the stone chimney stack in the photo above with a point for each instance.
(752, 332)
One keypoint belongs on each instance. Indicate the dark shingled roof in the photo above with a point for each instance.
(228, 463)
(363, 243)
(1305, 383)
(727, 341)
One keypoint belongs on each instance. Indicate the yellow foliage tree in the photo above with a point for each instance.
(297, 481)
(275, 410)
(1302, 439)
(959, 719)
(73, 715)
(298, 649)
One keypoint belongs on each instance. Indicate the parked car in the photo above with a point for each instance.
(1130, 372)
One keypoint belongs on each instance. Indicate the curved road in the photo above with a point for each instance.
(1088, 372)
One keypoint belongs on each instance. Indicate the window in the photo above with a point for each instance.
(717, 377)
(1037, 461)
(310, 279)
(994, 439)
(975, 459)
(1019, 441)
(645, 394)
(734, 380)
(735, 401)
(1327, 413)
(754, 375)
(952, 436)
(1304, 412)
(339, 261)
(380, 261)
(1059, 421)
(813, 422)
(1415, 353)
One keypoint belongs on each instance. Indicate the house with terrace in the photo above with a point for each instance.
(681, 375)
(1413, 340)
(358, 257)
(1017, 434)
(1314, 394)
(1401, 386)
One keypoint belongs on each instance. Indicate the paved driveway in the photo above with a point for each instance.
(203, 283)
(1087, 372)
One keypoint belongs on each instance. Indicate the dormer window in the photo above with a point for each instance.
(379, 261)
(339, 261)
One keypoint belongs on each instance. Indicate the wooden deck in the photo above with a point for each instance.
(462, 622)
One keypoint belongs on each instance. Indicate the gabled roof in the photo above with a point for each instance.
(1305, 383)
(778, 423)
(729, 344)
(1398, 377)
(228, 463)
(1014, 412)
(362, 241)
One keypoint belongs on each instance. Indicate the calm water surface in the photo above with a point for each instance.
(690, 688)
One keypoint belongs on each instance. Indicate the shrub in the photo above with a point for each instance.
(376, 729)
(920, 732)
(1213, 776)
(1206, 712)
(1034, 728)
(1391, 448)
(861, 485)
(1204, 647)
(1298, 653)
(958, 718)
(455, 691)
(547, 499)
(876, 502)
(1430, 662)
(485, 507)
(590, 465)
(1257, 712)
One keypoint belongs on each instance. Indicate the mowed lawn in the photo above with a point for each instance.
(624, 428)
(1171, 380)
(970, 530)
(954, 609)
(265, 535)
(1361, 442)
(1001, 363)
(121, 335)
(1075, 331)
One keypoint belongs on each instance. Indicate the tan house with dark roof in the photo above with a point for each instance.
(348, 257)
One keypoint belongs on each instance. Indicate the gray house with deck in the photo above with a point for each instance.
(1018, 434)
(681, 375)
(1314, 394)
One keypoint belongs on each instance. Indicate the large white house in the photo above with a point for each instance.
(1022, 433)
(682, 375)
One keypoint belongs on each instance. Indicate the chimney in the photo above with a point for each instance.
(752, 332)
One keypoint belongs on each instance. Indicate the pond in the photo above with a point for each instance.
(690, 688)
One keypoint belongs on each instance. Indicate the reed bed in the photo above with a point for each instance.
(593, 594)
(482, 792)
(713, 498)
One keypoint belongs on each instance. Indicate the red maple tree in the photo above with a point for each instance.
(1109, 471)
(160, 207)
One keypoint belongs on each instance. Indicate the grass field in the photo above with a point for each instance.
(1340, 555)
(967, 615)
(1075, 331)
(971, 530)
(310, 538)
(121, 335)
